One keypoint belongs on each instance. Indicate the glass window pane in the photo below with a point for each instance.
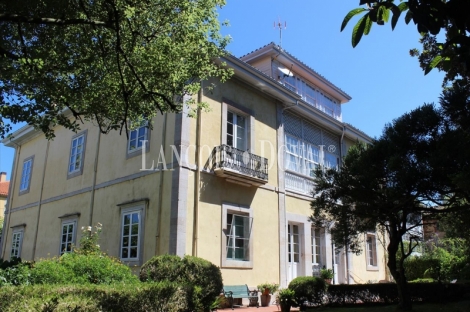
(134, 240)
(127, 219)
(135, 218)
(125, 241)
(135, 229)
(133, 252)
(126, 230)
(125, 253)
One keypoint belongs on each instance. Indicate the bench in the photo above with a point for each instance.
(241, 291)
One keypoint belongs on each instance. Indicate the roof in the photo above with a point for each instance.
(4, 188)
(279, 49)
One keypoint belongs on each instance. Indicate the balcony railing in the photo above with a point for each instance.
(239, 166)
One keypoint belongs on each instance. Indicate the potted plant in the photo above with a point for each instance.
(327, 275)
(266, 289)
(285, 298)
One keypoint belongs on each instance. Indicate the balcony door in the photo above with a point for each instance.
(294, 255)
(236, 131)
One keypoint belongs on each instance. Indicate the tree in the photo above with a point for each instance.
(390, 184)
(430, 17)
(109, 61)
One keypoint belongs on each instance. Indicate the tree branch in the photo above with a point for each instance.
(14, 18)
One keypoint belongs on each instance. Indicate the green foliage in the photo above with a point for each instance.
(454, 262)
(107, 61)
(71, 268)
(89, 240)
(286, 296)
(308, 289)
(271, 287)
(376, 294)
(18, 274)
(416, 267)
(1, 225)
(203, 276)
(161, 296)
(430, 17)
(326, 273)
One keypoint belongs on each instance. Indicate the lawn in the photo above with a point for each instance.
(460, 306)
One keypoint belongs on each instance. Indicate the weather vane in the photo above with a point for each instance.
(279, 25)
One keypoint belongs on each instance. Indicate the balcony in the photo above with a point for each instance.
(240, 167)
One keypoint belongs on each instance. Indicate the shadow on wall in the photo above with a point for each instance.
(215, 190)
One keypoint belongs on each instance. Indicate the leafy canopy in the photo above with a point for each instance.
(109, 61)
(430, 17)
(408, 171)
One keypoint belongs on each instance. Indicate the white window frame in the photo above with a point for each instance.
(130, 209)
(316, 242)
(144, 139)
(17, 235)
(72, 242)
(26, 175)
(234, 108)
(371, 253)
(239, 210)
(72, 157)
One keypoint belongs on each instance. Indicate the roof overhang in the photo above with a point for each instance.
(275, 52)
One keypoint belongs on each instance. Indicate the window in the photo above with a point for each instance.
(77, 153)
(236, 131)
(26, 175)
(293, 243)
(316, 248)
(238, 238)
(137, 138)
(16, 244)
(132, 233)
(301, 157)
(67, 239)
(371, 249)
(237, 228)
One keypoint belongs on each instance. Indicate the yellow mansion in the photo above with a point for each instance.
(232, 185)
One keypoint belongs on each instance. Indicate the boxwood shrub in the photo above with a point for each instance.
(377, 294)
(204, 277)
(308, 290)
(71, 268)
(163, 296)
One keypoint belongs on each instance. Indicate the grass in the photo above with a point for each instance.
(460, 306)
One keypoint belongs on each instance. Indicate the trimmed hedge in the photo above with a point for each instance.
(71, 268)
(376, 294)
(308, 290)
(203, 276)
(163, 296)
(417, 267)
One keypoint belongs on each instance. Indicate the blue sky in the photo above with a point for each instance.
(379, 74)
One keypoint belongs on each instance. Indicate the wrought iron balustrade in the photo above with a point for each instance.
(243, 162)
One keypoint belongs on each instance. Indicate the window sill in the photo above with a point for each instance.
(227, 264)
(372, 268)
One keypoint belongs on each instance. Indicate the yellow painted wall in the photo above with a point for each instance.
(3, 202)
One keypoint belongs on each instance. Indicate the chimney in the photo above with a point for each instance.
(3, 176)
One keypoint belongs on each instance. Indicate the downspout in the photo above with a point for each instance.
(40, 200)
(6, 222)
(160, 189)
(95, 170)
(197, 178)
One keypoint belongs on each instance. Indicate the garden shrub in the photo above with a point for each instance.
(71, 268)
(387, 293)
(163, 296)
(308, 289)
(204, 277)
(417, 267)
(97, 269)
(19, 274)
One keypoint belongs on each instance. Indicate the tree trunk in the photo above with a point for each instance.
(398, 272)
